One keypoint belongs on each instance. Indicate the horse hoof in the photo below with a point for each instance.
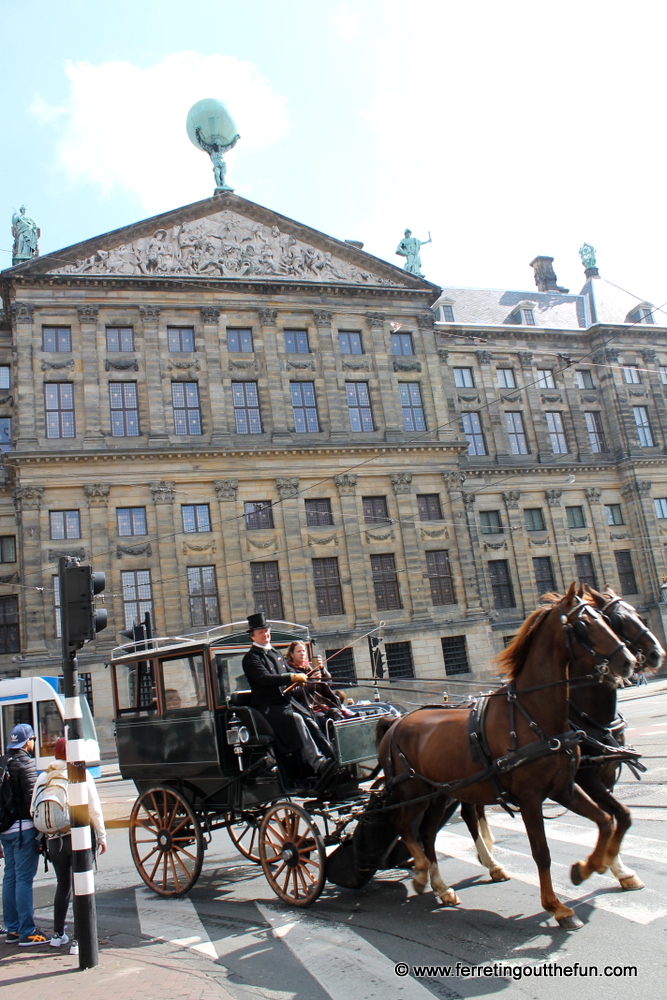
(631, 882)
(576, 873)
(418, 886)
(572, 923)
(450, 898)
(499, 875)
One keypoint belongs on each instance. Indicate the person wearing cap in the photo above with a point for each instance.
(59, 846)
(269, 675)
(19, 843)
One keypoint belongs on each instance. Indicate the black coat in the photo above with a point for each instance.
(268, 673)
(23, 774)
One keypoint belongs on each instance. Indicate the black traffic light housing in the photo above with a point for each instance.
(81, 620)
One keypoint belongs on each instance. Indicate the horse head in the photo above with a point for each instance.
(629, 626)
(588, 637)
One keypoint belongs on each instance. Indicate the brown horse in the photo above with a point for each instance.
(427, 755)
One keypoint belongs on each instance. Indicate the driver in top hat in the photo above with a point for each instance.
(269, 674)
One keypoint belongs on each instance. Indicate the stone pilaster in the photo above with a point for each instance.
(234, 589)
(415, 583)
(171, 587)
(25, 341)
(34, 602)
(97, 499)
(359, 564)
(159, 390)
(386, 384)
(220, 436)
(471, 587)
(276, 421)
(93, 348)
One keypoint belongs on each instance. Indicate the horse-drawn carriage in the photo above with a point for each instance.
(203, 759)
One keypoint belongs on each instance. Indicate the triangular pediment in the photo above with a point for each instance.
(224, 237)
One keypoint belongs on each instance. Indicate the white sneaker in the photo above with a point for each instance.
(59, 939)
(74, 948)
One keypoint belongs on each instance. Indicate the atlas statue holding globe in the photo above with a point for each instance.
(210, 127)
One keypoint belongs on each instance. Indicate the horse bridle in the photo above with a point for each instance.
(616, 622)
(576, 630)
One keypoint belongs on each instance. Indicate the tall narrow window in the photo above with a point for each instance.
(660, 505)
(490, 522)
(196, 517)
(258, 514)
(534, 518)
(65, 523)
(626, 572)
(428, 505)
(185, 402)
(556, 433)
(472, 428)
(614, 513)
(359, 406)
(455, 655)
(463, 378)
(304, 407)
(137, 595)
(575, 517)
(349, 342)
(318, 512)
(385, 583)
(401, 343)
(131, 521)
(375, 510)
(501, 583)
(296, 342)
(412, 406)
(506, 379)
(5, 434)
(340, 664)
(440, 577)
(120, 338)
(399, 660)
(56, 338)
(246, 408)
(5, 377)
(447, 314)
(203, 593)
(586, 569)
(545, 378)
(516, 433)
(595, 431)
(9, 625)
(124, 409)
(584, 379)
(7, 548)
(181, 339)
(663, 375)
(266, 589)
(239, 341)
(544, 574)
(328, 591)
(643, 427)
(59, 405)
(631, 375)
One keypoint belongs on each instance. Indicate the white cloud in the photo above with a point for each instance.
(125, 126)
(346, 23)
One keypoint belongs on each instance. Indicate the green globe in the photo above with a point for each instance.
(215, 124)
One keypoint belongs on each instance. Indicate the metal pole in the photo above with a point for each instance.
(85, 912)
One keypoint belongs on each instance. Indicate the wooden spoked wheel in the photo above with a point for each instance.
(292, 854)
(166, 841)
(244, 835)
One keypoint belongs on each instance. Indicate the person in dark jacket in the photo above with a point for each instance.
(269, 675)
(19, 843)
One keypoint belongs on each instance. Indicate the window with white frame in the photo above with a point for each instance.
(640, 414)
(137, 595)
(595, 431)
(464, 378)
(583, 379)
(506, 379)
(545, 378)
(516, 433)
(472, 428)
(631, 375)
(556, 432)
(660, 504)
(64, 524)
(196, 517)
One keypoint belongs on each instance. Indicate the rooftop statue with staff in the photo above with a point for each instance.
(409, 248)
(26, 233)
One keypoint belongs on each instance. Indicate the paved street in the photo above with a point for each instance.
(231, 936)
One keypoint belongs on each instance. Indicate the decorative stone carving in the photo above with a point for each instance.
(183, 365)
(134, 550)
(517, 398)
(627, 491)
(552, 399)
(288, 489)
(21, 312)
(468, 399)
(638, 392)
(443, 355)
(525, 358)
(643, 488)
(300, 365)
(355, 366)
(346, 484)
(226, 489)
(224, 245)
(241, 366)
(598, 357)
(425, 321)
(589, 399)
(88, 314)
(322, 540)
(401, 482)
(544, 541)
(484, 357)
(468, 500)
(407, 366)
(552, 497)
(209, 314)
(163, 492)
(267, 317)
(374, 536)
(577, 540)
(435, 533)
(375, 318)
(55, 554)
(593, 494)
(10, 578)
(28, 497)
(257, 543)
(59, 366)
(495, 545)
(454, 480)
(619, 538)
(149, 312)
(121, 366)
(612, 354)
(323, 317)
(512, 499)
(6, 400)
(649, 355)
(97, 494)
(190, 547)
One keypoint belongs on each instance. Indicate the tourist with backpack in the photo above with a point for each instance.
(19, 837)
(50, 812)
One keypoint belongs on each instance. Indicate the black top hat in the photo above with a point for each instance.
(256, 621)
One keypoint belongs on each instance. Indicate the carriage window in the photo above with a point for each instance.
(50, 727)
(184, 685)
(136, 687)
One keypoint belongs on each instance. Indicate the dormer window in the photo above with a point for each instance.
(444, 313)
(523, 315)
(644, 314)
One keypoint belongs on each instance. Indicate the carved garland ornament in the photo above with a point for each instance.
(325, 540)
(55, 554)
(121, 366)
(374, 537)
(134, 550)
(45, 366)
(439, 533)
(256, 544)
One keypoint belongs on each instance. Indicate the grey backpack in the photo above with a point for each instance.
(50, 809)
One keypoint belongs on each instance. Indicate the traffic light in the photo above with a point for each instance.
(78, 587)
(377, 659)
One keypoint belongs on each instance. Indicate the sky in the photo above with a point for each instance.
(505, 130)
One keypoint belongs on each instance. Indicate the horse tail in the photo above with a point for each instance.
(382, 727)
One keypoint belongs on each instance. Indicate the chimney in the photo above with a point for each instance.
(545, 276)
(356, 243)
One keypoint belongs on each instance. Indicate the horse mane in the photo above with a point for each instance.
(511, 660)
